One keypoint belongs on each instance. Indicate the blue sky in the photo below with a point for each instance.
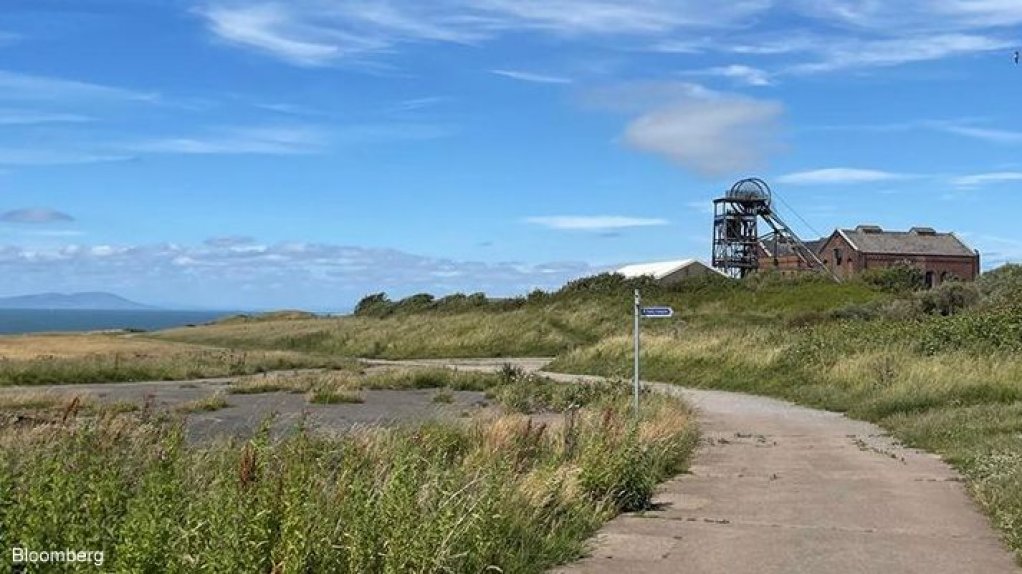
(255, 154)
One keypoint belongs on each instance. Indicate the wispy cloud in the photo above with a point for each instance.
(416, 104)
(34, 88)
(839, 175)
(741, 74)
(986, 134)
(593, 222)
(277, 140)
(869, 52)
(35, 215)
(532, 77)
(860, 33)
(44, 157)
(270, 28)
(983, 179)
(970, 127)
(13, 117)
(313, 33)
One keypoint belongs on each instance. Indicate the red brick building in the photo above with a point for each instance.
(846, 252)
(941, 256)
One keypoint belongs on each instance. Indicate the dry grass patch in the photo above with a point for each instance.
(97, 358)
(78, 345)
(32, 400)
(295, 382)
(327, 395)
(210, 403)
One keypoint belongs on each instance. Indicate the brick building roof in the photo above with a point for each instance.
(916, 241)
(784, 248)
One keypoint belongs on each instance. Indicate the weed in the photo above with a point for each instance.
(444, 396)
(498, 494)
(213, 402)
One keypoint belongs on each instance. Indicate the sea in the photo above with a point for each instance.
(14, 321)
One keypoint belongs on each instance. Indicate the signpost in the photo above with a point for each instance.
(655, 312)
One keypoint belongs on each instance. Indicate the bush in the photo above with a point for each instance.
(1001, 286)
(609, 284)
(949, 298)
(375, 305)
(899, 278)
(414, 303)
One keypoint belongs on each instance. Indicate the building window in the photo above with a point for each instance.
(929, 279)
(837, 256)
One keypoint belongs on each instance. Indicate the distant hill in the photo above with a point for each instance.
(91, 300)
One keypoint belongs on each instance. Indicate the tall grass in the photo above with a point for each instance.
(504, 494)
(579, 315)
(938, 383)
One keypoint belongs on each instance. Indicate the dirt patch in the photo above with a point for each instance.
(245, 414)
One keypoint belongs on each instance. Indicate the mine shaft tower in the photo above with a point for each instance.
(735, 230)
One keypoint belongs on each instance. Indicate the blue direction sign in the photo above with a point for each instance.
(656, 312)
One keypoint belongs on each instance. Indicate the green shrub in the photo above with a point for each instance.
(375, 305)
(949, 298)
(1001, 286)
(898, 278)
(608, 284)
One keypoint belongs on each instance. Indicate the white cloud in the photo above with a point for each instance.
(982, 179)
(13, 117)
(839, 175)
(986, 134)
(859, 33)
(249, 140)
(923, 15)
(267, 27)
(532, 77)
(309, 274)
(854, 52)
(312, 32)
(593, 222)
(742, 74)
(33, 88)
(715, 136)
(43, 157)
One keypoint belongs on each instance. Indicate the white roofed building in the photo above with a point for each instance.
(668, 272)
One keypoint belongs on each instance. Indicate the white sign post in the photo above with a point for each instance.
(658, 312)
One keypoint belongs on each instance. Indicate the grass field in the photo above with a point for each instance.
(96, 358)
(941, 370)
(496, 494)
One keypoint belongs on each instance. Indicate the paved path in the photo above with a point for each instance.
(777, 488)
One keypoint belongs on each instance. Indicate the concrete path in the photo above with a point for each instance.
(777, 488)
